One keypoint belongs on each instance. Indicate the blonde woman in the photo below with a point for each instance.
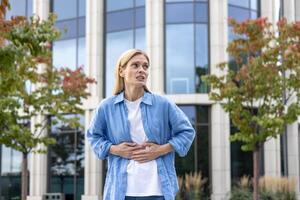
(138, 133)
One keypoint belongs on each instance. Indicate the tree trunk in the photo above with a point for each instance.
(24, 176)
(255, 172)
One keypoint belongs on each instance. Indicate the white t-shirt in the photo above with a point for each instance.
(142, 178)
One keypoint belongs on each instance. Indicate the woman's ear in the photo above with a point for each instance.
(121, 72)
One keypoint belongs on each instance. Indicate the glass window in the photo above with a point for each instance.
(112, 5)
(242, 3)
(178, 0)
(186, 47)
(180, 71)
(66, 159)
(125, 24)
(239, 14)
(6, 160)
(139, 3)
(65, 9)
(81, 29)
(82, 8)
(253, 15)
(140, 38)
(116, 44)
(201, 12)
(29, 7)
(81, 52)
(197, 158)
(119, 20)
(64, 53)
(201, 57)
(68, 28)
(18, 7)
(254, 4)
(140, 17)
(179, 13)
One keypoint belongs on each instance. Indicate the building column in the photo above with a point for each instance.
(297, 10)
(293, 154)
(93, 171)
(38, 162)
(272, 162)
(292, 129)
(220, 129)
(155, 43)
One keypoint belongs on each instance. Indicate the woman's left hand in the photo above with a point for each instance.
(150, 152)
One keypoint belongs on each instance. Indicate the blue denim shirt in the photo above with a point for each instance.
(163, 123)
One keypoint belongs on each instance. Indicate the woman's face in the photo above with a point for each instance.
(136, 71)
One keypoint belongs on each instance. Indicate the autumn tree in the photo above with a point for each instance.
(30, 86)
(261, 92)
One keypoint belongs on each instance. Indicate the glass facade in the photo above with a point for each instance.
(11, 160)
(69, 50)
(197, 159)
(186, 43)
(66, 157)
(124, 29)
(241, 162)
(66, 160)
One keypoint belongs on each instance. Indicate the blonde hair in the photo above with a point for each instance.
(121, 63)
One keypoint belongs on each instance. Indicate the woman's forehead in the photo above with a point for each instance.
(139, 58)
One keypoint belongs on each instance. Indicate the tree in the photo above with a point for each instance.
(262, 93)
(25, 59)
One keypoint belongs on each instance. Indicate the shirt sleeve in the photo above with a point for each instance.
(183, 133)
(97, 134)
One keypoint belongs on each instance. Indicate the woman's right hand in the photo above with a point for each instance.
(124, 149)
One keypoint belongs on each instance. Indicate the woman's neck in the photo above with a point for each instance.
(132, 94)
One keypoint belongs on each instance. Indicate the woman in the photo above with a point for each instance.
(138, 133)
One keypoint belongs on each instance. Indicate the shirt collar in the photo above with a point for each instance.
(146, 98)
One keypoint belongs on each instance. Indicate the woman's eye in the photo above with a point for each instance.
(145, 66)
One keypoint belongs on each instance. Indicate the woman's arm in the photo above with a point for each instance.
(183, 133)
(97, 134)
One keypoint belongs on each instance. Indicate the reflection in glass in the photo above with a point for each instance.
(201, 57)
(81, 52)
(29, 7)
(65, 9)
(178, 0)
(66, 159)
(201, 12)
(180, 71)
(139, 3)
(10, 183)
(140, 17)
(239, 14)
(68, 28)
(64, 53)
(140, 38)
(81, 27)
(242, 3)
(186, 46)
(82, 8)
(116, 44)
(112, 5)
(119, 20)
(254, 4)
(179, 13)
(18, 7)
(197, 158)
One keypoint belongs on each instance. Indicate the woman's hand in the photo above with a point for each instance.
(150, 151)
(124, 149)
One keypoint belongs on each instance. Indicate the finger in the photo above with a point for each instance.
(139, 152)
(131, 144)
